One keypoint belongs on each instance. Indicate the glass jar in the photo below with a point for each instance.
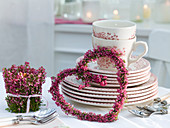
(108, 7)
(162, 11)
(90, 10)
(136, 10)
(70, 9)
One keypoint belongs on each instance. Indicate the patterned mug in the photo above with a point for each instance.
(114, 29)
(125, 46)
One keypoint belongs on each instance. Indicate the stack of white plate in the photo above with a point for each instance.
(142, 87)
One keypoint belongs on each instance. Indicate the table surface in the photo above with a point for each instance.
(126, 119)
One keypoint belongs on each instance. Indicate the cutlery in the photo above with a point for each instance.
(149, 110)
(157, 102)
(157, 106)
(40, 114)
(30, 121)
(145, 114)
(42, 121)
(37, 115)
(160, 106)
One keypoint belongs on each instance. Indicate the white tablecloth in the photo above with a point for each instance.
(126, 119)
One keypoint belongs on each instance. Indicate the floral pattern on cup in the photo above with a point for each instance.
(107, 36)
(105, 62)
(132, 36)
(114, 29)
(125, 46)
(123, 50)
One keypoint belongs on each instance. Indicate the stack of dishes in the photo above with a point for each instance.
(142, 87)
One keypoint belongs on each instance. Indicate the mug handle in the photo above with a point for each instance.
(135, 45)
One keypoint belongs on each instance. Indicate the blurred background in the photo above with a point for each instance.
(135, 10)
(54, 33)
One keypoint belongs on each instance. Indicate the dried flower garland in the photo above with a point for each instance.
(23, 82)
(81, 72)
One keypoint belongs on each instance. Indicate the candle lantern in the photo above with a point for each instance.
(146, 11)
(70, 9)
(162, 11)
(136, 10)
(109, 8)
(116, 15)
(90, 10)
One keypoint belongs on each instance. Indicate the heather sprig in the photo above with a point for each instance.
(82, 73)
(23, 80)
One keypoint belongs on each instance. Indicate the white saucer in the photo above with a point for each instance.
(136, 67)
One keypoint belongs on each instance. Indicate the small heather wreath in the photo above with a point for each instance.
(82, 73)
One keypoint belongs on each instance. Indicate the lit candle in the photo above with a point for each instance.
(116, 15)
(146, 11)
(138, 19)
(89, 15)
(90, 10)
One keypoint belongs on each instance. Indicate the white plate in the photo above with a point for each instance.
(114, 80)
(136, 67)
(101, 104)
(134, 76)
(149, 88)
(109, 100)
(116, 84)
(72, 81)
(130, 82)
(113, 95)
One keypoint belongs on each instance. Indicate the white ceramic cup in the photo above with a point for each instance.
(125, 46)
(114, 29)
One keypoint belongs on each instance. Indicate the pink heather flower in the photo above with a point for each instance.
(105, 77)
(22, 80)
(102, 83)
(81, 72)
(26, 63)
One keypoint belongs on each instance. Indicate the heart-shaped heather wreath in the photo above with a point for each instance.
(82, 73)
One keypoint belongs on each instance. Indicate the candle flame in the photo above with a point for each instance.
(138, 17)
(145, 6)
(89, 15)
(115, 12)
